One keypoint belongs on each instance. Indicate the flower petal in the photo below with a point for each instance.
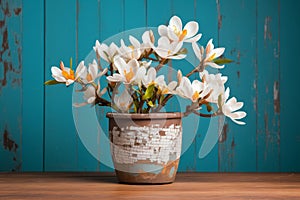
(197, 50)
(134, 42)
(175, 22)
(191, 28)
(163, 30)
(238, 122)
(194, 39)
(120, 64)
(214, 65)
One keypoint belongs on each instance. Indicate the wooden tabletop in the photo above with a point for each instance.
(98, 186)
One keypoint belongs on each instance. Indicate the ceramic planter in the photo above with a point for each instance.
(145, 148)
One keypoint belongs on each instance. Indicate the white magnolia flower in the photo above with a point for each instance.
(91, 74)
(90, 95)
(150, 78)
(168, 50)
(229, 108)
(211, 53)
(192, 91)
(145, 63)
(126, 71)
(130, 52)
(215, 82)
(167, 88)
(148, 40)
(66, 75)
(175, 32)
(140, 74)
(123, 102)
(106, 52)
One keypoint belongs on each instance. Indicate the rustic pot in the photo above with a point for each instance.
(145, 148)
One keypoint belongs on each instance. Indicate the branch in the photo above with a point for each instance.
(161, 64)
(206, 115)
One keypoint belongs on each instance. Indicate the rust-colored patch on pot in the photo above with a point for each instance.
(167, 175)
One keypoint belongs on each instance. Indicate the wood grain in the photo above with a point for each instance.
(187, 186)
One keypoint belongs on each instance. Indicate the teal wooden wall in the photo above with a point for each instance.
(37, 131)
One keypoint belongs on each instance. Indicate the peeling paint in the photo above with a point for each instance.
(219, 14)
(266, 120)
(8, 143)
(238, 57)
(276, 97)
(267, 29)
(232, 145)
(2, 23)
(17, 11)
(223, 135)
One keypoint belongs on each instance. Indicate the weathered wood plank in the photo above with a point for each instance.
(109, 26)
(289, 85)
(88, 29)
(33, 88)
(268, 130)
(237, 32)
(187, 12)
(61, 142)
(10, 85)
(206, 16)
(187, 186)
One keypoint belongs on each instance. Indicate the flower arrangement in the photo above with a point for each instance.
(131, 67)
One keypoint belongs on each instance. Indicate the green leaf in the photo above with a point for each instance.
(221, 61)
(183, 51)
(149, 92)
(136, 105)
(150, 103)
(53, 82)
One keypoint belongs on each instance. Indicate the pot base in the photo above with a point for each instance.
(165, 175)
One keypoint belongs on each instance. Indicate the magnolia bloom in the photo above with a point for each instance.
(215, 82)
(130, 52)
(211, 53)
(66, 75)
(91, 74)
(167, 89)
(150, 78)
(229, 108)
(123, 102)
(90, 95)
(145, 63)
(175, 32)
(168, 50)
(148, 40)
(106, 52)
(192, 91)
(127, 71)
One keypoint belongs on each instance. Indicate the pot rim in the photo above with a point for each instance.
(159, 115)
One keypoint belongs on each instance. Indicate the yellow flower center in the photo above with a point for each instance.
(128, 75)
(89, 77)
(195, 96)
(165, 91)
(211, 57)
(65, 74)
(182, 35)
